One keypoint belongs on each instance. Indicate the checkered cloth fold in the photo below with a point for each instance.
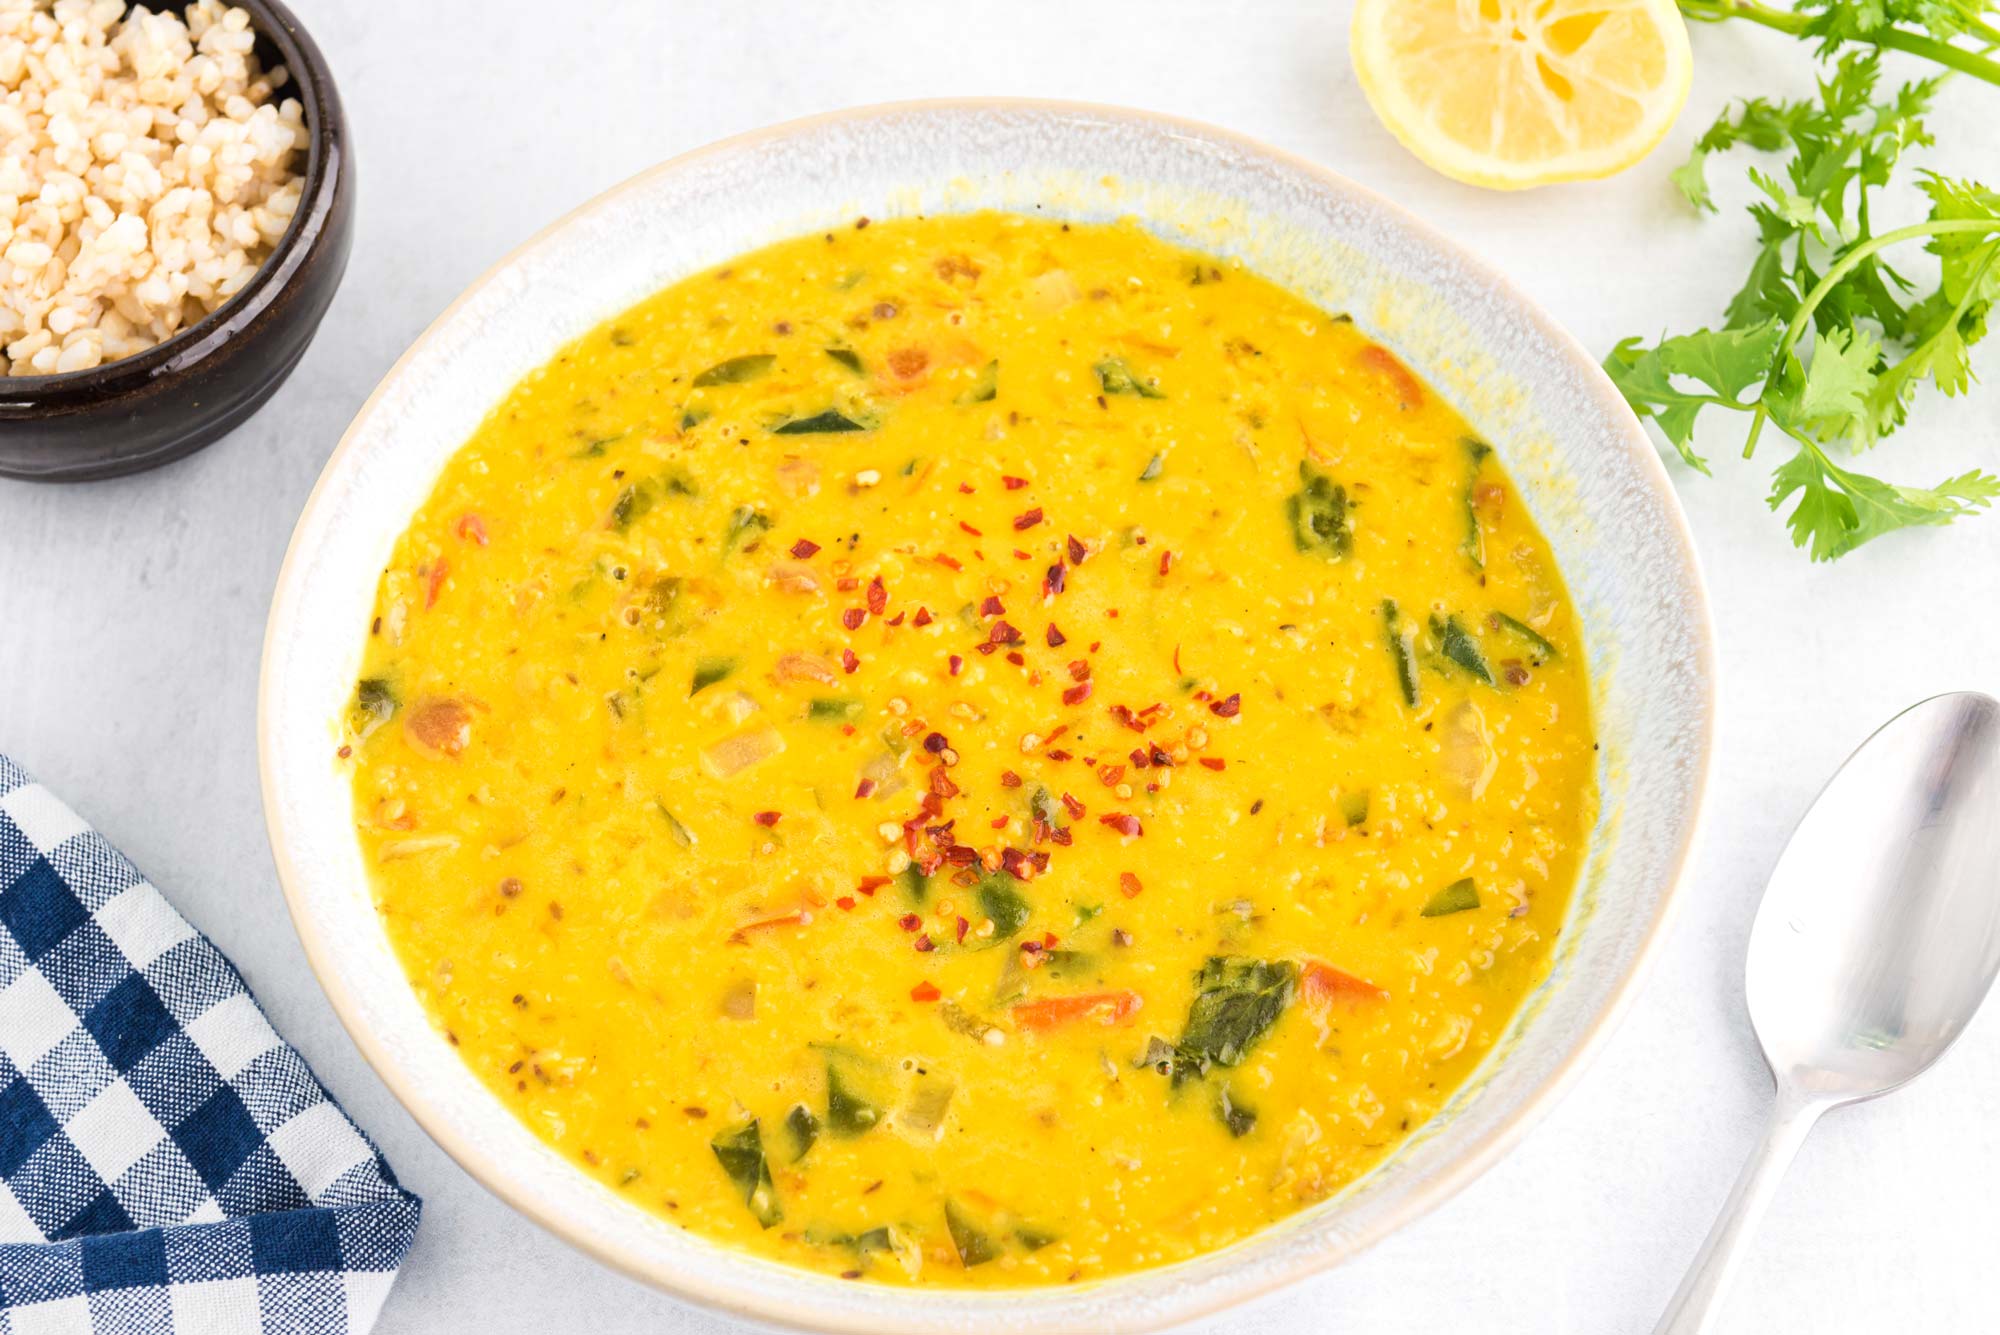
(168, 1164)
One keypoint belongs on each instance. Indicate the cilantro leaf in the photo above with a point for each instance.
(1726, 361)
(1839, 510)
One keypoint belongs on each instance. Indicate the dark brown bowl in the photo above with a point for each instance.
(170, 400)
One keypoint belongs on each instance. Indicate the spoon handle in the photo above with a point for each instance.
(1695, 1307)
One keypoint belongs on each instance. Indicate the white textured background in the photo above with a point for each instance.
(131, 613)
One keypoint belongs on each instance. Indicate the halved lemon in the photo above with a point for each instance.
(1516, 93)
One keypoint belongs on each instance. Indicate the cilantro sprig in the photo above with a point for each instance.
(1825, 341)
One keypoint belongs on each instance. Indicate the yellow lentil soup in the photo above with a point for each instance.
(973, 751)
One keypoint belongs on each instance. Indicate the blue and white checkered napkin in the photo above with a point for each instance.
(168, 1164)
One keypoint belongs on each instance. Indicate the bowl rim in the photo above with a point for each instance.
(687, 1284)
(309, 79)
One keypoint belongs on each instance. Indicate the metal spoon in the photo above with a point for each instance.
(1878, 937)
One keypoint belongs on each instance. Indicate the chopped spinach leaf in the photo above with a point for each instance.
(736, 370)
(692, 417)
(740, 1151)
(1237, 1001)
(1474, 545)
(818, 424)
(1238, 1118)
(1318, 513)
(1527, 633)
(1457, 897)
(1151, 472)
(1458, 645)
(847, 357)
(1402, 651)
(634, 500)
(374, 697)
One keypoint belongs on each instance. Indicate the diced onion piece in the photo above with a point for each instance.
(1469, 758)
(806, 667)
(921, 1115)
(408, 848)
(733, 755)
(739, 1000)
(794, 577)
(886, 771)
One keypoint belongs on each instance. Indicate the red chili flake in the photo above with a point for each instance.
(1138, 758)
(924, 992)
(992, 607)
(947, 562)
(962, 925)
(766, 818)
(1055, 637)
(1075, 808)
(897, 619)
(1213, 762)
(870, 884)
(1109, 775)
(909, 922)
(1166, 562)
(1020, 555)
(1027, 519)
(936, 742)
(1076, 551)
(853, 617)
(987, 648)
(941, 783)
(1059, 756)
(1009, 779)
(922, 618)
(438, 572)
(469, 526)
(1128, 885)
(805, 549)
(844, 903)
(344, 752)
(1227, 708)
(1062, 836)
(957, 663)
(1128, 718)
(849, 659)
(1060, 729)
(1123, 822)
(965, 487)
(878, 596)
(970, 529)
(1077, 694)
(864, 789)
(1079, 669)
(847, 584)
(1013, 483)
(1177, 661)
(1017, 660)
(1000, 822)
(1052, 583)
(1161, 759)
(1049, 940)
(1002, 633)
(1015, 863)
(923, 944)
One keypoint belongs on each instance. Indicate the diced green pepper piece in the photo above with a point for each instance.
(709, 671)
(970, 1241)
(915, 884)
(985, 386)
(1474, 545)
(847, 357)
(1532, 637)
(1318, 513)
(803, 1128)
(1000, 901)
(745, 522)
(1354, 806)
(1154, 465)
(830, 709)
(1457, 897)
(1115, 377)
(848, 1114)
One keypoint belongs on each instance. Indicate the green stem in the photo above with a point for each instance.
(1890, 39)
(1802, 318)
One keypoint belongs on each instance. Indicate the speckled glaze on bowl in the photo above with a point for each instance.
(167, 402)
(1579, 458)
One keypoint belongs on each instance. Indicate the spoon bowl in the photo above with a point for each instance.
(1877, 939)
(1880, 932)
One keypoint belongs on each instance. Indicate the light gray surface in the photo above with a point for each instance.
(131, 614)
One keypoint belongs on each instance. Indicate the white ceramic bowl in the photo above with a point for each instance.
(1577, 455)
